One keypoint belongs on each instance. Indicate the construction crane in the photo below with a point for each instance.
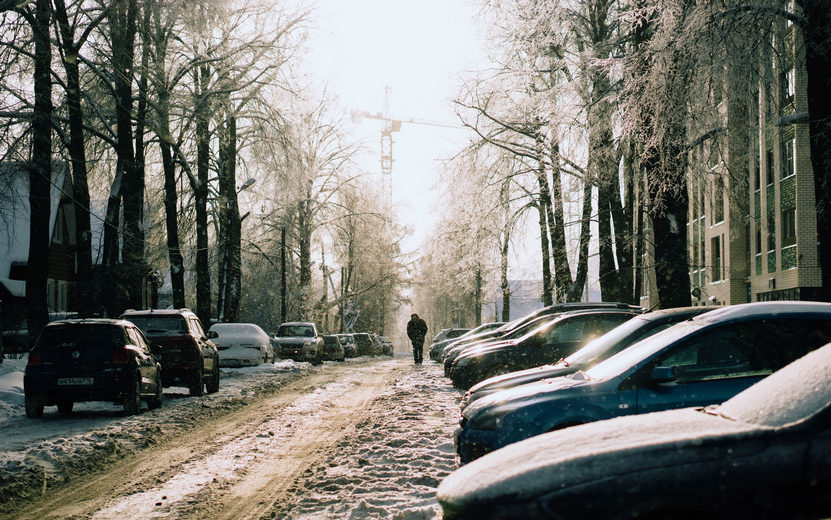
(389, 125)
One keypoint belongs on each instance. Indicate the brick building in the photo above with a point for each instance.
(752, 236)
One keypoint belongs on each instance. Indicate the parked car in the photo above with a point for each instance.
(363, 344)
(450, 333)
(186, 354)
(300, 341)
(437, 348)
(561, 336)
(607, 345)
(705, 360)
(241, 344)
(349, 348)
(512, 326)
(386, 346)
(333, 348)
(91, 360)
(377, 346)
(516, 333)
(761, 454)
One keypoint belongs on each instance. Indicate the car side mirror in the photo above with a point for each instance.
(212, 334)
(660, 375)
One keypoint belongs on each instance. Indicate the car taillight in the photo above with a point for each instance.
(121, 356)
(35, 358)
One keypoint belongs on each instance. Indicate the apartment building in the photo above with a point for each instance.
(752, 230)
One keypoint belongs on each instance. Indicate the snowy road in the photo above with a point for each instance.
(367, 438)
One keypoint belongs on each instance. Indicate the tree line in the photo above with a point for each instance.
(594, 119)
(172, 116)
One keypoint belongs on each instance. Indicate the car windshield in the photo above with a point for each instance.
(599, 348)
(302, 331)
(530, 328)
(234, 329)
(790, 395)
(72, 337)
(640, 351)
(150, 325)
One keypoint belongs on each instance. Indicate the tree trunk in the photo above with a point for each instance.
(40, 175)
(557, 226)
(77, 154)
(817, 34)
(200, 192)
(229, 278)
(304, 240)
(546, 256)
(575, 290)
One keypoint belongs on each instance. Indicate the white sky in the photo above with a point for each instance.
(421, 49)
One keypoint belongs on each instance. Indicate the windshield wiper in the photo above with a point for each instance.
(713, 410)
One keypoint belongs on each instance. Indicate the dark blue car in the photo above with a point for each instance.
(702, 361)
(763, 454)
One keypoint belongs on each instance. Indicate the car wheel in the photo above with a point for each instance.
(212, 384)
(65, 408)
(197, 384)
(34, 407)
(132, 399)
(156, 401)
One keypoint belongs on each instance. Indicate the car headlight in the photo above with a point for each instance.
(488, 420)
(309, 342)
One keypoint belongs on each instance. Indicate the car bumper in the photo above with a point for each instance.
(85, 386)
(472, 444)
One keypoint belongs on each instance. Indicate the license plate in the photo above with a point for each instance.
(75, 381)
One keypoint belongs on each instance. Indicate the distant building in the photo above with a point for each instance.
(526, 297)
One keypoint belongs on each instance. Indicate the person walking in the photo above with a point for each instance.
(416, 330)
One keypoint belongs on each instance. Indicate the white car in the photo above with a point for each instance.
(241, 344)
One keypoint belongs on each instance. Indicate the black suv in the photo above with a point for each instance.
(187, 356)
(91, 360)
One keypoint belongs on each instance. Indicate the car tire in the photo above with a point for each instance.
(132, 399)
(65, 408)
(212, 384)
(156, 401)
(34, 407)
(197, 383)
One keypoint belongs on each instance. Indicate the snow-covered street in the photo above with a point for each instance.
(367, 438)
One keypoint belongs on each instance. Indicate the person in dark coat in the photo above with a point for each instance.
(416, 330)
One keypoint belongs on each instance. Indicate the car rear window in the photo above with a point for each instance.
(303, 331)
(150, 325)
(83, 336)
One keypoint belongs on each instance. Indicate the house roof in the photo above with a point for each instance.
(15, 214)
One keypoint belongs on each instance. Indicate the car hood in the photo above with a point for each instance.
(536, 391)
(486, 348)
(512, 379)
(592, 452)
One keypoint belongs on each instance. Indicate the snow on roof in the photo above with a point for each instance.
(17, 288)
(15, 214)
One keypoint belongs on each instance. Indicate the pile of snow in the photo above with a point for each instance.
(38, 453)
(11, 386)
(390, 467)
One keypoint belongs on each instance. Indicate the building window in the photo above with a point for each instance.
(769, 164)
(788, 158)
(715, 272)
(787, 82)
(788, 227)
(757, 177)
(718, 202)
(771, 234)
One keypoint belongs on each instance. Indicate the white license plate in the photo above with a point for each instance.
(75, 380)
